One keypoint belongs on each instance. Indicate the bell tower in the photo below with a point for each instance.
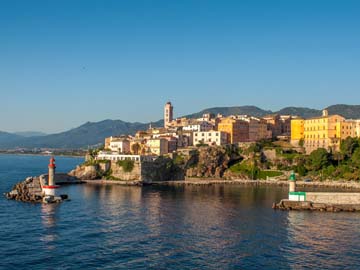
(168, 114)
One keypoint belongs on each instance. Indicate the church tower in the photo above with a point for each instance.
(168, 114)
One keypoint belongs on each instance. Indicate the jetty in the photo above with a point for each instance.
(41, 189)
(318, 201)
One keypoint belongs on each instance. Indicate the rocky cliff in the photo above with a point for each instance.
(211, 161)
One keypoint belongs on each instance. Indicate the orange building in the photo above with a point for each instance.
(237, 130)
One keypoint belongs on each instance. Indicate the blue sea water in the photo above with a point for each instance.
(189, 227)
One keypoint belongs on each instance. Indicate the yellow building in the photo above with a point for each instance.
(325, 131)
(297, 130)
(237, 130)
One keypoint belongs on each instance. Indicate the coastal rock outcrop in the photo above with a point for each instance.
(211, 161)
(85, 172)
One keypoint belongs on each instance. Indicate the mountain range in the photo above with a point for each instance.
(93, 133)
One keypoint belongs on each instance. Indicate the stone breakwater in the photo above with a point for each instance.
(27, 191)
(311, 206)
(30, 190)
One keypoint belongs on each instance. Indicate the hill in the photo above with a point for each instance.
(249, 110)
(30, 133)
(85, 135)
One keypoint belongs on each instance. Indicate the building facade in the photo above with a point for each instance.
(120, 146)
(158, 146)
(200, 126)
(325, 131)
(237, 130)
(210, 138)
(297, 131)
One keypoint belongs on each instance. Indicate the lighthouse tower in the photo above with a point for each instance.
(50, 188)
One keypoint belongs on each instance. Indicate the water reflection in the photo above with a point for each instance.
(321, 237)
(196, 227)
(48, 219)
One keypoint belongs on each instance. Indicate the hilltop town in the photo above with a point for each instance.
(230, 147)
(209, 130)
(326, 131)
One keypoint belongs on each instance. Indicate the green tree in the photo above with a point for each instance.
(318, 159)
(348, 146)
(127, 165)
(301, 142)
(355, 158)
(338, 157)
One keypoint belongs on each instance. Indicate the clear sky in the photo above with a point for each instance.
(66, 62)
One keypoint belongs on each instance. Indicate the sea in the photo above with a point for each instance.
(166, 227)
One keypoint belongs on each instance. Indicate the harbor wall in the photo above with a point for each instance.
(333, 197)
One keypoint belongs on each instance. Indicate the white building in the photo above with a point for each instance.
(201, 126)
(120, 145)
(103, 155)
(210, 137)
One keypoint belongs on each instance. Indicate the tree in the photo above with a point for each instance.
(337, 156)
(355, 158)
(135, 148)
(348, 146)
(318, 159)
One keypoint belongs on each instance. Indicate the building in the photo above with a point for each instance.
(285, 123)
(172, 142)
(325, 131)
(199, 126)
(257, 128)
(237, 130)
(210, 137)
(168, 114)
(274, 124)
(157, 146)
(120, 145)
(104, 155)
(207, 117)
(297, 131)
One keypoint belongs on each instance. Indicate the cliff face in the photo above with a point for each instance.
(211, 161)
(161, 169)
(84, 172)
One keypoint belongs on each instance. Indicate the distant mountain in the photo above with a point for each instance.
(249, 110)
(86, 135)
(302, 112)
(347, 111)
(30, 133)
(7, 138)
(91, 133)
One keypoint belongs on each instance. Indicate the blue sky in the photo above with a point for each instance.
(66, 62)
